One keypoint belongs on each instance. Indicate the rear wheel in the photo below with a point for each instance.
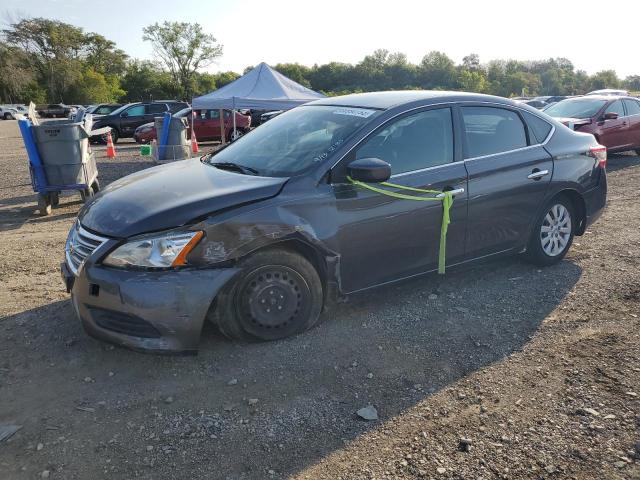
(233, 136)
(7, 116)
(553, 233)
(277, 294)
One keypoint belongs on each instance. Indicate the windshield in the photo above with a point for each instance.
(118, 111)
(296, 140)
(577, 108)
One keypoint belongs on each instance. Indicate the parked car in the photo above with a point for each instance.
(265, 117)
(538, 104)
(101, 109)
(609, 91)
(613, 120)
(124, 120)
(257, 236)
(10, 112)
(53, 110)
(206, 124)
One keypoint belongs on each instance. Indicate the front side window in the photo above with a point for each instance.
(413, 142)
(490, 130)
(135, 111)
(633, 107)
(615, 107)
(295, 140)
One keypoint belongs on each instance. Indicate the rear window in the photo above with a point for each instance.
(537, 127)
(576, 108)
(490, 130)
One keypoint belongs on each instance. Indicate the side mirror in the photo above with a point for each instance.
(610, 116)
(124, 114)
(369, 170)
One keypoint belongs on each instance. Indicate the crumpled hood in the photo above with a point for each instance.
(171, 195)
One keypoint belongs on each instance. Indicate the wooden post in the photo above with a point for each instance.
(222, 139)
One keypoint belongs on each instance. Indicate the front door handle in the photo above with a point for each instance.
(538, 174)
(455, 192)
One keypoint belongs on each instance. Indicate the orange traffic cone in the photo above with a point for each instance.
(194, 143)
(111, 150)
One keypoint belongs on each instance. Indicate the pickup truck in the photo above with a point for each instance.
(53, 110)
(9, 112)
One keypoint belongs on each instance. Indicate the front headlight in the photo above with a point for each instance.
(162, 251)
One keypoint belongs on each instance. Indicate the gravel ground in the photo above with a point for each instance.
(501, 371)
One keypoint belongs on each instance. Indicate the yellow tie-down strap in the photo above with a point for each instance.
(445, 197)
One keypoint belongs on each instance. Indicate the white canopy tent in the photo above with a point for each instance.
(262, 89)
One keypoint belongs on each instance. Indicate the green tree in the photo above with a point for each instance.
(183, 48)
(103, 56)
(295, 71)
(605, 79)
(15, 75)
(144, 81)
(437, 71)
(94, 87)
(54, 49)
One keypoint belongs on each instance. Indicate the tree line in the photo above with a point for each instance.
(48, 61)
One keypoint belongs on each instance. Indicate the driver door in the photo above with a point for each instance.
(383, 239)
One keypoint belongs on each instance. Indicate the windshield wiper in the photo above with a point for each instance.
(234, 166)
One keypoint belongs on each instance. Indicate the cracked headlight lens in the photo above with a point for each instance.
(162, 251)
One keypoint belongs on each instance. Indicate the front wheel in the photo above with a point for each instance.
(7, 116)
(553, 233)
(277, 294)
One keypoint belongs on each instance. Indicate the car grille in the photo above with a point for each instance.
(80, 244)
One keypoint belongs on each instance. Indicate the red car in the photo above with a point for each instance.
(613, 120)
(206, 124)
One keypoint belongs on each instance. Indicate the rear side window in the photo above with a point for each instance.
(412, 142)
(490, 130)
(633, 107)
(538, 128)
(156, 108)
(616, 107)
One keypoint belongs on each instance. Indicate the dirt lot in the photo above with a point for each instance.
(538, 370)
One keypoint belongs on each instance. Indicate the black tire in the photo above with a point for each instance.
(638, 151)
(86, 194)
(239, 132)
(55, 198)
(7, 116)
(555, 233)
(277, 294)
(44, 204)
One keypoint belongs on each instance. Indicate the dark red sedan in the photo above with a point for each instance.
(206, 124)
(613, 120)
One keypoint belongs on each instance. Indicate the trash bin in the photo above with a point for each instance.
(64, 151)
(177, 147)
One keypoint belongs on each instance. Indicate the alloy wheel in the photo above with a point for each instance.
(555, 232)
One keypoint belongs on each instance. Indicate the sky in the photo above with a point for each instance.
(273, 31)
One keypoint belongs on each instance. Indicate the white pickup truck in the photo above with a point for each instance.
(9, 112)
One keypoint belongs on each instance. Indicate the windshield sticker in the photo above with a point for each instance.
(354, 112)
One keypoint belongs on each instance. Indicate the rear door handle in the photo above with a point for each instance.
(455, 192)
(537, 174)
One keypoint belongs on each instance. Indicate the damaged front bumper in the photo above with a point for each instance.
(153, 311)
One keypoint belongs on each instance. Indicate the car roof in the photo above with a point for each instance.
(387, 100)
